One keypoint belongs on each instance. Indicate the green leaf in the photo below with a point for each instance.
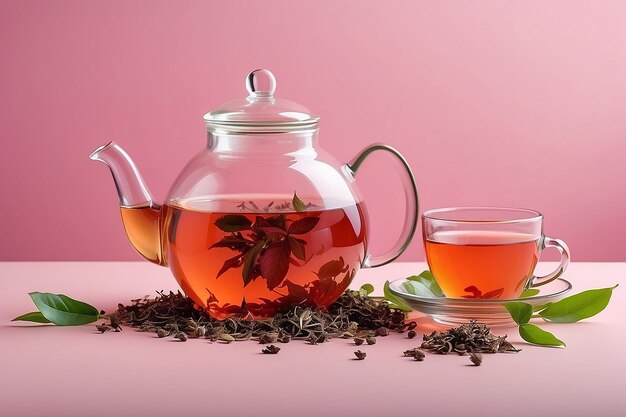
(520, 312)
(424, 284)
(366, 289)
(298, 205)
(63, 310)
(529, 293)
(537, 336)
(396, 302)
(35, 316)
(578, 307)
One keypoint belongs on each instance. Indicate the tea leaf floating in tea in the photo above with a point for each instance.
(476, 293)
(233, 223)
(266, 248)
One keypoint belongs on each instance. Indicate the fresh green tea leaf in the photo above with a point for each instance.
(366, 289)
(35, 316)
(427, 287)
(529, 293)
(419, 289)
(520, 312)
(63, 310)
(540, 307)
(298, 205)
(427, 275)
(396, 302)
(538, 336)
(578, 307)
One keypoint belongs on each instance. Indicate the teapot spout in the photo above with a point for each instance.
(140, 214)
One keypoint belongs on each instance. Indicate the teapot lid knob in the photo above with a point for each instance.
(261, 83)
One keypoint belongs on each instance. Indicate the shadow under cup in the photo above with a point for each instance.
(487, 252)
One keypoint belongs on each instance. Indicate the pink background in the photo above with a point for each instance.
(493, 103)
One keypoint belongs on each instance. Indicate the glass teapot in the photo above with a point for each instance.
(262, 218)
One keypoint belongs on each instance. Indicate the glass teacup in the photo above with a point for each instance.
(487, 252)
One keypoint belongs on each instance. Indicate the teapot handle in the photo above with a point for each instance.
(411, 200)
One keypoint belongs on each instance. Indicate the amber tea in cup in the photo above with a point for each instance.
(485, 252)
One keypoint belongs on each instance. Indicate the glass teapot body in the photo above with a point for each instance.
(258, 224)
(261, 219)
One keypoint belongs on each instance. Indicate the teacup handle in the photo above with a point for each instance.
(548, 242)
(411, 200)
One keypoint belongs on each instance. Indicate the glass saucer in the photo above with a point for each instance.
(456, 311)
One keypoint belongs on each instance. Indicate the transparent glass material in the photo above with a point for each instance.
(487, 252)
(262, 218)
(456, 311)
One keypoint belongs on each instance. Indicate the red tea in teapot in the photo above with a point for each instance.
(262, 256)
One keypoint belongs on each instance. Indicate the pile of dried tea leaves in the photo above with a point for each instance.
(353, 315)
(467, 339)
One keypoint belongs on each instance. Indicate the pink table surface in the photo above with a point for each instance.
(74, 371)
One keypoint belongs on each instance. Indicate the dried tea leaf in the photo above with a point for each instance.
(476, 358)
(271, 350)
(360, 355)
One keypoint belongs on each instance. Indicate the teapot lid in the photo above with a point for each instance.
(260, 112)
